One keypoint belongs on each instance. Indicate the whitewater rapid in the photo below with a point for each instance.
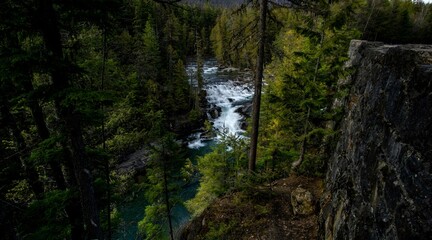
(227, 89)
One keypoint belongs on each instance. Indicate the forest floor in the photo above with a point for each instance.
(264, 212)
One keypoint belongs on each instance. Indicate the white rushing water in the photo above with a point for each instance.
(226, 90)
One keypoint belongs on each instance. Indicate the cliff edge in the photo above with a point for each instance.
(379, 180)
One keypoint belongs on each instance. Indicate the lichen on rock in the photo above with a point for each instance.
(302, 202)
(379, 179)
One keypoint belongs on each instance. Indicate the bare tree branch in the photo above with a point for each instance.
(164, 3)
(272, 17)
(310, 6)
(167, 1)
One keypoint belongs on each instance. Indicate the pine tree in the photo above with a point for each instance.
(151, 53)
(221, 169)
(181, 93)
(258, 85)
(200, 64)
(298, 100)
(165, 181)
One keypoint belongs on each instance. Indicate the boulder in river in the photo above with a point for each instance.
(207, 136)
(242, 102)
(215, 112)
(244, 125)
(245, 110)
(229, 69)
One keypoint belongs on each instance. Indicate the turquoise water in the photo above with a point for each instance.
(133, 211)
(180, 214)
(130, 214)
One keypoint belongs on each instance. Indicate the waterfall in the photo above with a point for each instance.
(227, 90)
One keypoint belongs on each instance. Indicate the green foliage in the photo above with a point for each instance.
(165, 179)
(220, 230)
(233, 38)
(115, 219)
(395, 21)
(20, 192)
(313, 165)
(46, 219)
(48, 150)
(298, 98)
(152, 226)
(188, 171)
(194, 115)
(151, 54)
(200, 64)
(221, 170)
(123, 184)
(178, 92)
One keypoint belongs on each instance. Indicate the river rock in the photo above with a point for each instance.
(302, 202)
(245, 110)
(243, 102)
(229, 70)
(182, 125)
(207, 136)
(379, 180)
(244, 125)
(215, 112)
(135, 162)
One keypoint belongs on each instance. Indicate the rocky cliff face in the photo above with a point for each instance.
(379, 180)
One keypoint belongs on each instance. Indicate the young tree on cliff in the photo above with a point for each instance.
(165, 179)
(258, 85)
(298, 99)
(262, 31)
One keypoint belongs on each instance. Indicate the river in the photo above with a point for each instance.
(228, 91)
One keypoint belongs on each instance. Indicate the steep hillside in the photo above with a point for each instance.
(284, 209)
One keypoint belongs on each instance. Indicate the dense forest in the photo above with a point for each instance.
(84, 84)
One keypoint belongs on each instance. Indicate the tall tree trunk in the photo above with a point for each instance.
(297, 163)
(30, 172)
(43, 131)
(76, 215)
(73, 210)
(166, 192)
(49, 27)
(258, 86)
(107, 164)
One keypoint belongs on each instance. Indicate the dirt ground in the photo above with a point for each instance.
(262, 213)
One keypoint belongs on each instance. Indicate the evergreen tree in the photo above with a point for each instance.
(258, 85)
(151, 53)
(219, 38)
(181, 93)
(165, 181)
(298, 101)
(200, 64)
(221, 169)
